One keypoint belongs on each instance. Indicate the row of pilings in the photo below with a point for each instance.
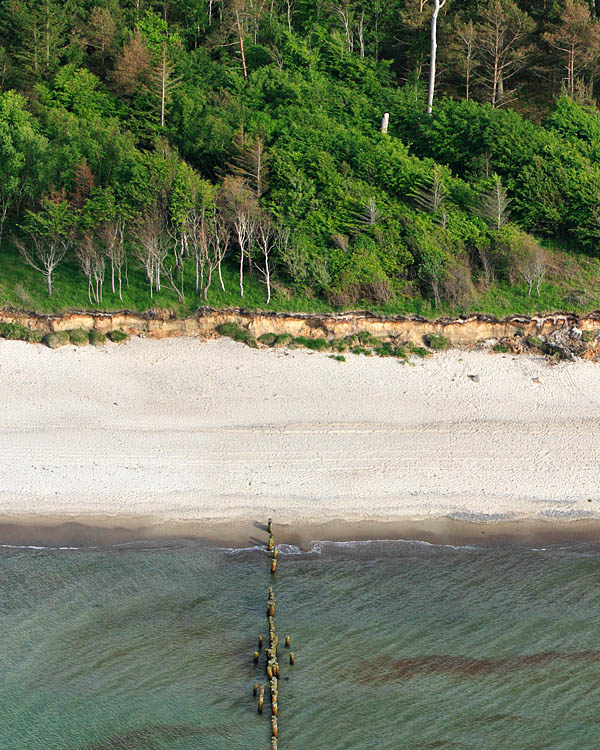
(271, 660)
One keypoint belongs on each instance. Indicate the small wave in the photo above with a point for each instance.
(236, 550)
(34, 546)
(317, 546)
(289, 549)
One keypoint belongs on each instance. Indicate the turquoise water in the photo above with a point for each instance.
(398, 645)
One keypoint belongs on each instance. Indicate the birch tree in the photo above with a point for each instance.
(265, 239)
(93, 265)
(151, 246)
(49, 236)
(240, 208)
(217, 245)
(111, 235)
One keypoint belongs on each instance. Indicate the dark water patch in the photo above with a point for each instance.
(440, 664)
(153, 735)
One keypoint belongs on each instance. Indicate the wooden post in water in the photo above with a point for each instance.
(271, 660)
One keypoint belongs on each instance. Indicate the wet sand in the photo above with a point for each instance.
(92, 532)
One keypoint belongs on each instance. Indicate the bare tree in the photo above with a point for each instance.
(44, 254)
(111, 235)
(151, 246)
(240, 208)
(266, 240)
(467, 36)
(216, 249)
(577, 37)
(132, 65)
(344, 13)
(500, 42)
(434, 199)
(163, 81)
(251, 162)
(50, 236)
(437, 6)
(531, 264)
(493, 208)
(101, 32)
(369, 213)
(93, 266)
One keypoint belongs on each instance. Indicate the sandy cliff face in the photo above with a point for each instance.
(463, 331)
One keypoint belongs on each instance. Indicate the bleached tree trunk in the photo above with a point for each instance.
(241, 42)
(437, 6)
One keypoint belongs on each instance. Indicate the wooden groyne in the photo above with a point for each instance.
(271, 660)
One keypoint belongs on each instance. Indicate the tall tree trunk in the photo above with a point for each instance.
(163, 76)
(239, 27)
(242, 272)
(437, 4)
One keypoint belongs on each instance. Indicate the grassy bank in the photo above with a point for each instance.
(572, 283)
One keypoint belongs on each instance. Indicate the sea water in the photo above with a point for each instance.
(397, 644)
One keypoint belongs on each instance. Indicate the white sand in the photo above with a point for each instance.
(179, 429)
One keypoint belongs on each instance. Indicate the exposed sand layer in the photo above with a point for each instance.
(177, 431)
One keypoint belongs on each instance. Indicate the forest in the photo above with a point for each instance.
(424, 156)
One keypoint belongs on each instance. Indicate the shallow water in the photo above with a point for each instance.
(398, 645)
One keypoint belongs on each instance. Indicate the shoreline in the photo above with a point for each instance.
(89, 532)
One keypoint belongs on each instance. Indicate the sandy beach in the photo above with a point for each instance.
(210, 438)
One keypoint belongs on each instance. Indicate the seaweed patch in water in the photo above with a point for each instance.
(147, 737)
(436, 664)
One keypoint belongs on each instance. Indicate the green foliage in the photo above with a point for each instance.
(97, 338)
(417, 351)
(57, 339)
(118, 337)
(268, 339)
(500, 348)
(17, 332)
(437, 342)
(79, 337)
(124, 116)
(237, 333)
(283, 340)
(534, 342)
(337, 357)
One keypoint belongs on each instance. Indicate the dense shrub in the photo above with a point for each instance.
(118, 337)
(97, 338)
(79, 337)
